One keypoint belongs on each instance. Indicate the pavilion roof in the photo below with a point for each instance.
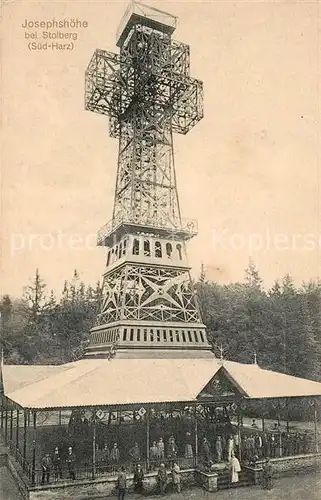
(100, 382)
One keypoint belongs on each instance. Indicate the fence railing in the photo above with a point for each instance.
(64, 473)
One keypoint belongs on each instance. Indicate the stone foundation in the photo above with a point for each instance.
(106, 487)
(207, 480)
(300, 464)
(101, 488)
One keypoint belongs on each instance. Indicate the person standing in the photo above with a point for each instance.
(121, 483)
(230, 448)
(105, 455)
(46, 465)
(274, 445)
(139, 479)
(235, 468)
(135, 453)
(56, 461)
(114, 456)
(71, 458)
(267, 475)
(153, 455)
(162, 478)
(219, 450)
(176, 475)
(160, 449)
(172, 448)
(206, 450)
(258, 445)
(188, 446)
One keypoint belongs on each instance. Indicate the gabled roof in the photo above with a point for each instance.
(100, 382)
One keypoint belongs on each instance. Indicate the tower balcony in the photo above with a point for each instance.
(112, 231)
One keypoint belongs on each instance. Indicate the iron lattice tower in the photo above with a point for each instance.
(148, 305)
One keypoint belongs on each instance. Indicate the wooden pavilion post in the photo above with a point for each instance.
(2, 412)
(196, 435)
(287, 415)
(239, 434)
(94, 445)
(24, 452)
(315, 418)
(17, 433)
(33, 471)
(6, 426)
(11, 424)
(147, 438)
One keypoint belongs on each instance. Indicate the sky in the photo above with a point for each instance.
(249, 172)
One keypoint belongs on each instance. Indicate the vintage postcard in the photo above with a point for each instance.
(160, 299)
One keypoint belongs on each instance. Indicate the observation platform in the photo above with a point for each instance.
(139, 13)
(112, 231)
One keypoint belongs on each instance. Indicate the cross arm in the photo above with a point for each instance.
(101, 83)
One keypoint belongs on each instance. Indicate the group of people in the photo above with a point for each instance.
(163, 479)
(274, 444)
(158, 452)
(54, 465)
(224, 447)
(106, 457)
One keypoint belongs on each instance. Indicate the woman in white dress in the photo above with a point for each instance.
(236, 468)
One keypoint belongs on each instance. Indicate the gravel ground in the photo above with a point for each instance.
(306, 487)
(8, 487)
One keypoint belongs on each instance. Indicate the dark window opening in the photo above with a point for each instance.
(158, 336)
(125, 334)
(179, 250)
(195, 336)
(165, 335)
(171, 337)
(184, 336)
(131, 334)
(202, 336)
(189, 336)
(147, 248)
(125, 246)
(158, 249)
(136, 247)
(108, 258)
(169, 250)
(138, 335)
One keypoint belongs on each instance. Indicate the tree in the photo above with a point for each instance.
(252, 277)
(35, 296)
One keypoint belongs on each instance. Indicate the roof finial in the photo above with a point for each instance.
(255, 358)
(2, 357)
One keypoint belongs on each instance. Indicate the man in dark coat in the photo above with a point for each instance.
(267, 475)
(46, 465)
(56, 460)
(162, 479)
(71, 458)
(122, 483)
(139, 479)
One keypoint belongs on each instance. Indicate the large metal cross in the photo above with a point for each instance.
(151, 71)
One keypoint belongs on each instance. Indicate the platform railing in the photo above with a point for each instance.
(175, 226)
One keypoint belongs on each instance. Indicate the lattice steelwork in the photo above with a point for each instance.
(148, 94)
